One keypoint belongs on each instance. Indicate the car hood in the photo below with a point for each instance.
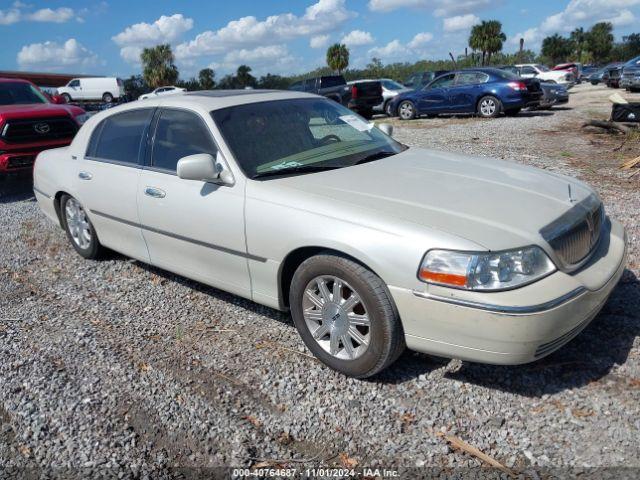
(495, 204)
(38, 110)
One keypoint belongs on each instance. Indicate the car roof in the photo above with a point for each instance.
(216, 99)
(7, 80)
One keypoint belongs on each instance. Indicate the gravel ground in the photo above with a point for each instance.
(119, 369)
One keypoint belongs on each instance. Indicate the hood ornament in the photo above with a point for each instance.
(571, 199)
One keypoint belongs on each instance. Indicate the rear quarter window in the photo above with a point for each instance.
(119, 138)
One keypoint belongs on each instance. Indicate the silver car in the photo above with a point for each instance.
(390, 88)
(295, 202)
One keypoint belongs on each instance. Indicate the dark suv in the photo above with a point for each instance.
(360, 97)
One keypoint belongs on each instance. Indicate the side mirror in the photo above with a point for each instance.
(203, 167)
(58, 99)
(386, 128)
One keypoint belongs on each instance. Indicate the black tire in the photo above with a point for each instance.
(409, 111)
(94, 249)
(488, 112)
(107, 97)
(386, 336)
(512, 112)
(388, 110)
(67, 97)
(368, 114)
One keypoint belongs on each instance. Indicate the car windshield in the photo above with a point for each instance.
(632, 62)
(291, 136)
(542, 68)
(20, 93)
(391, 85)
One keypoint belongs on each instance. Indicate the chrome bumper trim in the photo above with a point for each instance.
(505, 309)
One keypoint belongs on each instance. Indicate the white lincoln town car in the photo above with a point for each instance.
(295, 202)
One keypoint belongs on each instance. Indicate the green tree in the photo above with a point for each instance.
(338, 57)
(206, 78)
(556, 48)
(274, 82)
(158, 68)
(135, 86)
(488, 38)
(579, 39)
(244, 78)
(600, 41)
(374, 68)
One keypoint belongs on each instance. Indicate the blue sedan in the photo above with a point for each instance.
(487, 92)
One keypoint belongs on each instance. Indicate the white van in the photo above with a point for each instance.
(106, 89)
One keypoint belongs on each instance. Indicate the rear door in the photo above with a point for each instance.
(193, 228)
(434, 97)
(107, 180)
(463, 94)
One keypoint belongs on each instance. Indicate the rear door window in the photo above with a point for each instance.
(120, 138)
(179, 133)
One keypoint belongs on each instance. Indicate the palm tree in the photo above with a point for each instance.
(206, 78)
(157, 66)
(556, 48)
(487, 38)
(244, 77)
(579, 39)
(338, 57)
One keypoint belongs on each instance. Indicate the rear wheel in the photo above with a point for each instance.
(107, 97)
(489, 107)
(367, 113)
(345, 315)
(79, 228)
(407, 110)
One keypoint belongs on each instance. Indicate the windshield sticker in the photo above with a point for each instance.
(282, 165)
(356, 123)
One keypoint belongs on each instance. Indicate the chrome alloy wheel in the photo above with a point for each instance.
(488, 107)
(78, 224)
(406, 111)
(336, 317)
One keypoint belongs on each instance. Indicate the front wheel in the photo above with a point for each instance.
(388, 110)
(489, 107)
(79, 228)
(407, 110)
(345, 315)
(67, 97)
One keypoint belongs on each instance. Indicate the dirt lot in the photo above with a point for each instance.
(117, 368)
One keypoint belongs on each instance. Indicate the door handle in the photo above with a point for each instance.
(85, 176)
(154, 192)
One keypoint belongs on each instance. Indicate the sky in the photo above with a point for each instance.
(105, 37)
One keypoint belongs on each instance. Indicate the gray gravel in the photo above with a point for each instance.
(114, 367)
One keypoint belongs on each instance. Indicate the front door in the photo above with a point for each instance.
(193, 228)
(106, 181)
(434, 98)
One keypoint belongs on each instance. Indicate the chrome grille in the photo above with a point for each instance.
(575, 234)
(37, 130)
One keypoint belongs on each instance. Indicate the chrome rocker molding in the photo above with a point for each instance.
(505, 309)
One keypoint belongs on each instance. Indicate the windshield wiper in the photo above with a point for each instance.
(376, 156)
(294, 170)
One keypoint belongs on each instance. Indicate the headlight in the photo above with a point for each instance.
(485, 271)
(83, 117)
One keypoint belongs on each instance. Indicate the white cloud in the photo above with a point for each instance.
(460, 22)
(54, 56)
(8, 17)
(391, 50)
(59, 15)
(260, 54)
(357, 38)
(319, 41)
(579, 13)
(166, 29)
(319, 18)
(420, 40)
(17, 14)
(440, 8)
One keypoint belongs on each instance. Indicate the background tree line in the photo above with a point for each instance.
(486, 41)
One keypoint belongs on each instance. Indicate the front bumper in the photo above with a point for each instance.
(515, 326)
(633, 82)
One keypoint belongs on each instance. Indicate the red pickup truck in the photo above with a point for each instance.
(30, 122)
